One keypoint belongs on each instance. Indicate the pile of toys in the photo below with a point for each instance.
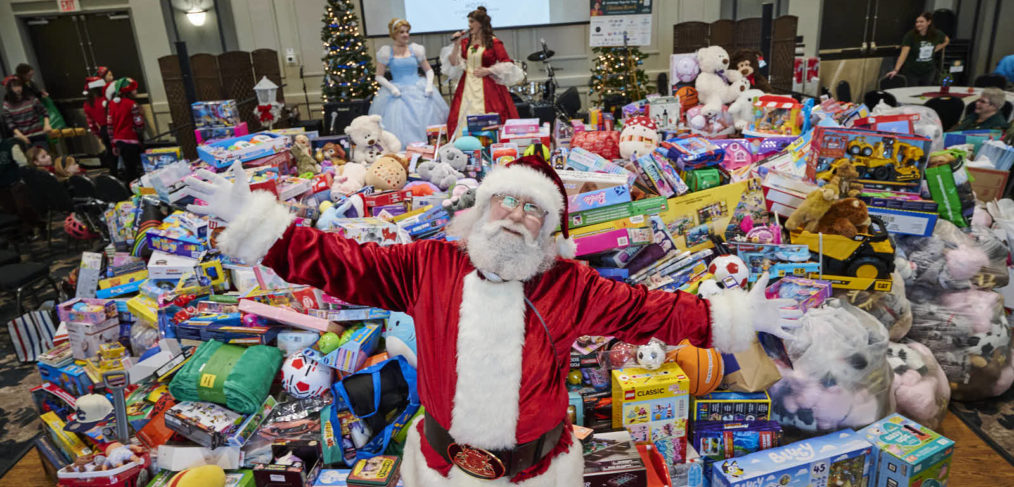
(183, 365)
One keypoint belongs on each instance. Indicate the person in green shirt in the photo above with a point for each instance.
(987, 115)
(922, 42)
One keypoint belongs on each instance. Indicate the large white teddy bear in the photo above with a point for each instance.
(716, 84)
(370, 140)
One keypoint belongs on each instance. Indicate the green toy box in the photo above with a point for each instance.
(906, 454)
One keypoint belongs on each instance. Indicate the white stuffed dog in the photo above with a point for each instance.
(742, 109)
(370, 140)
(716, 84)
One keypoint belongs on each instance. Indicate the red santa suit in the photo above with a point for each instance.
(492, 356)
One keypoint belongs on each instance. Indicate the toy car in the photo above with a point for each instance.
(866, 256)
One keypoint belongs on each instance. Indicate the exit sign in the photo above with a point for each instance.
(68, 5)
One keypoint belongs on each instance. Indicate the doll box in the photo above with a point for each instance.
(807, 293)
(731, 406)
(244, 148)
(906, 453)
(351, 314)
(611, 459)
(841, 458)
(613, 239)
(648, 206)
(90, 310)
(653, 406)
(588, 190)
(219, 113)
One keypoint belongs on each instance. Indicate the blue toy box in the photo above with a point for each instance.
(906, 453)
(218, 113)
(731, 406)
(223, 153)
(837, 459)
(71, 378)
(351, 356)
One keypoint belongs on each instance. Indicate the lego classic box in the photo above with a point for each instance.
(653, 405)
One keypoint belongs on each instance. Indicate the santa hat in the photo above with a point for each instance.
(531, 177)
(101, 71)
(118, 87)
(92, 82)
(640, 120)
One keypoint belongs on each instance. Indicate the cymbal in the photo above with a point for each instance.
(540, 56)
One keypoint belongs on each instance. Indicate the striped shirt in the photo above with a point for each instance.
(27, 116)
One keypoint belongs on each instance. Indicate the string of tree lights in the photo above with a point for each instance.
(618, 71)
(348, 66)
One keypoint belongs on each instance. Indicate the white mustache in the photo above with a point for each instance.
(497, 226)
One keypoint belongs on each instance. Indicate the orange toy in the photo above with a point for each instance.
(704, 366)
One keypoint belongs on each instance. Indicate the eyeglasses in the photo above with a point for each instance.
(510, 203)
(986, 101)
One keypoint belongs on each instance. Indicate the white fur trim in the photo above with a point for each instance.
(507, 74)
(566, 247)
(731, 322)
(491, 336)
(452, 72)
(252, 234)
(565, 470)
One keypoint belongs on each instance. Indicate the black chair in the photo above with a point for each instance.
(990, 80)
(898, 81)
(9, 257)
(843, 92)
(81, 186)
(110, 189)
(872, 98)
(948, 108)
(25, 276)
(36, 189)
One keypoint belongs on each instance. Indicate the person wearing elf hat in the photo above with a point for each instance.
(496, 313)
(96, 118)
(126, 124)
(105, 73)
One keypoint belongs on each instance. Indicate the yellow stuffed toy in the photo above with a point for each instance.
(203, 476)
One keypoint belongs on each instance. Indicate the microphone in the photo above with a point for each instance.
(457, 35)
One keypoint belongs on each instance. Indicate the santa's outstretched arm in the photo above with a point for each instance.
(727, 321)
(258, 226)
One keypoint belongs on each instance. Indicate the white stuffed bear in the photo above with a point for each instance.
(370, 140)
(639, 137)
(742, 109)
(716, 84)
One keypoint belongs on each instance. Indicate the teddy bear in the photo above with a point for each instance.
(741, 110)
(846, 217)
(847, 179)
(747, 62)
(348, 179)
(388, 172)
(300, 151)
(639, 137)
(440, 173)
(717, 84)
(812, 209)
(369, 139)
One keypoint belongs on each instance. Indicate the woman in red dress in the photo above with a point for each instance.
(488, 71)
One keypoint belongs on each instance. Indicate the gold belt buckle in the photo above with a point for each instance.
(476, 462)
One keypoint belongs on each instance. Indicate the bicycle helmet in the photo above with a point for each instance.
(76, 229)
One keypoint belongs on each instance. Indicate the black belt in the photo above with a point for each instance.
(490, 464)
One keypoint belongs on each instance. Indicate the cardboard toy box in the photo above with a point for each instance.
(611, 459)
(219, 113)
(298, 475)
(90, 310)
(587, 190)
(653, 406)
(613, 239)
(691, 218)
(154, 159)
(86, 338)
(223, 153)
(352, 354)
(884, 160)
(731, 406)
(840, 458)
(906, 453)
(903, 222)
(212, 426)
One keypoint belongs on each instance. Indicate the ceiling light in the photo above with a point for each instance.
(197, 17)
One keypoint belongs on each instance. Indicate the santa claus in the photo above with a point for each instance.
(495, 312)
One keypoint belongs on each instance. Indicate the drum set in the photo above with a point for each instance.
(536, 93)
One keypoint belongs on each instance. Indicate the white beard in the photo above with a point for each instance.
(511, 257)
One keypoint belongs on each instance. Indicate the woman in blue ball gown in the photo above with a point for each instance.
(408, 104)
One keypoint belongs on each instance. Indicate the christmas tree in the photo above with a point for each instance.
(618, 71)
(348, 67)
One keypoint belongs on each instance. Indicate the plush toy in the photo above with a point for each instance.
(300, 151)
(725, 266)
(847, 217)
(348, 179)
(747, 62)
(330, 157)
(812, 209)
(454, 156)
(652, 355)
(399, 336)
(421, 188)
(203, 476)
(440, 173)
(370, 140)
(461, 201)
(717, 84)
(891, 308)
(639, 137)
(722, 124)
(345, 207)
(685, 68)
(388, 172)
(920, 386)
(741, 110)
(846, 177)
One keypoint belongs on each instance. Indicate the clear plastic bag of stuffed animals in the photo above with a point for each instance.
(920, 387)
(891, 308)
(952, 260)
(834, 373)
(969, 334)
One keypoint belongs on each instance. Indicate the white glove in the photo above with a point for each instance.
(769, 315)
(390, 86)
(225, 200)
(429, 83)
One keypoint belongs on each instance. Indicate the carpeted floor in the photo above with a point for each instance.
(19, 421)
(992, 420)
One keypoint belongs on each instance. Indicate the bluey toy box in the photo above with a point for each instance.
(838, 459)
(652, 405)
(906, 453)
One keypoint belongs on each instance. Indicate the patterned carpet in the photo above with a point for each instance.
(19, 421)
(992, 420)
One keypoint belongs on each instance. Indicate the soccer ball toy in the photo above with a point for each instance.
(730, 265)
(303, 377)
